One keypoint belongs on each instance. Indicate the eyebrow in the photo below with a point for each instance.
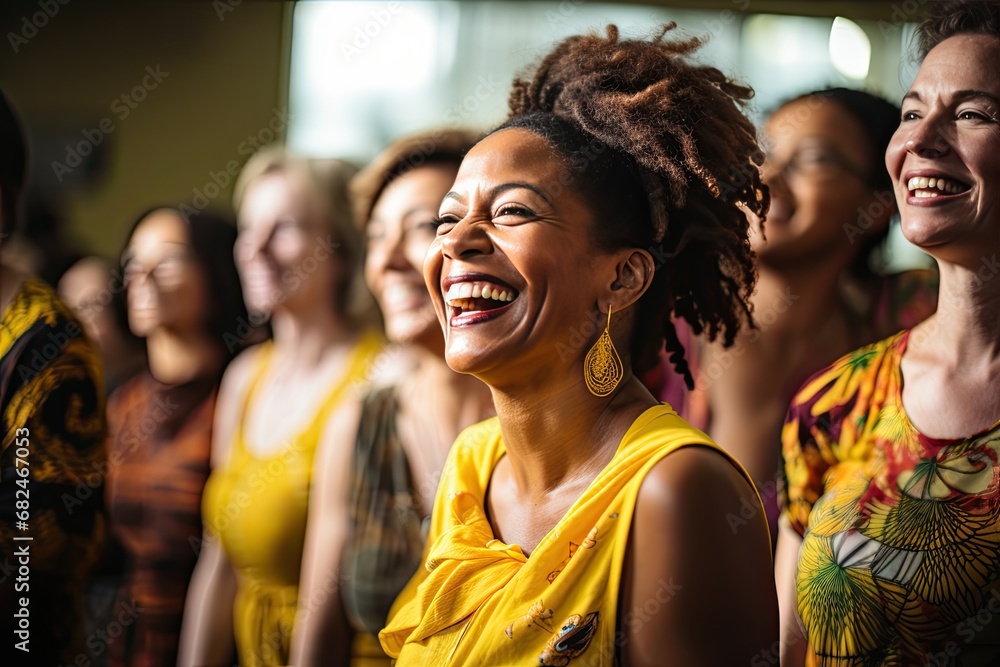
(958, 96)
(504, 187)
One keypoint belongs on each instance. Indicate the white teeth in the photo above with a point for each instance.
(940, 184)
(924, 194)
(459, 295)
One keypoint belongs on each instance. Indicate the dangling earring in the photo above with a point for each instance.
(602, 367)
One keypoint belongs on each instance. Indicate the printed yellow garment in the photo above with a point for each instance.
(258, 508)
(900, 556)
(53, 460)
(478, 601)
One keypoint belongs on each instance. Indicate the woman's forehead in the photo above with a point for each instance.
(962, 62)
(512, 149)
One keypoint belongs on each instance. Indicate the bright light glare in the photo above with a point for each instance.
(850, 48)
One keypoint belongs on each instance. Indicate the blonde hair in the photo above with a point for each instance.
(327, 180)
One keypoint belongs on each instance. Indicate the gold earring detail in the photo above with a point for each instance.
(602, 367)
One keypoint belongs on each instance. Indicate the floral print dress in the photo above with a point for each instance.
(900, 555)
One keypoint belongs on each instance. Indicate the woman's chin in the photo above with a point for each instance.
(428, 339)
(261, 301)
(924, 235)
(142, 324)
(462, 359)
(412, 327)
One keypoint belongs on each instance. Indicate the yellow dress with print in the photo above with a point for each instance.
(480, 601)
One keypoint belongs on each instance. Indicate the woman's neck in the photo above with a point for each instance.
(471, 397)
(965, 330)
(128, 361)
(795, 303)
(559, 433)
(176, 358)
(304, 337)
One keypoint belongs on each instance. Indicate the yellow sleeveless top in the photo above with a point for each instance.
(479, 601)
(257, 507)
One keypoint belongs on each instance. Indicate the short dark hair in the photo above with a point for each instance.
(444, 146)
(958, 17)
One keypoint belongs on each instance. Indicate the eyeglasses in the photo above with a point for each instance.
(165, 273)
(817, 164)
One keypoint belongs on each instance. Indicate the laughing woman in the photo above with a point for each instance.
(889, 548)
(587, 520)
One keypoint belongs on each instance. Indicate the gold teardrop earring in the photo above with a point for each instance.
(602, 367)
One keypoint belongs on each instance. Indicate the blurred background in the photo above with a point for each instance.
(132, 103)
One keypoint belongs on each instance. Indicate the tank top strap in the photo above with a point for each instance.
(261, 365)
(357, 367)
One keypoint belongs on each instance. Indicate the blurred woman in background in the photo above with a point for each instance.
(183, 296)
(889, 552)
(373, 491)
(818, 294)
(93, 291)
(299, 256)
(96, 295)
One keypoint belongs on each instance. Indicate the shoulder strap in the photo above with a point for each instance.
(261, 364)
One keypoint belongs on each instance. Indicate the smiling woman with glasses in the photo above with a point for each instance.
(889, 551)
(818, 161)
(183, 295)
(820, 293)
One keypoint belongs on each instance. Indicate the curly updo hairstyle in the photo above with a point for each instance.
(661, 151)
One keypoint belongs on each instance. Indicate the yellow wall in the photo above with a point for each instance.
(226, 76)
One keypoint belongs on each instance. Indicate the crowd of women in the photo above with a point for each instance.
(356, 426)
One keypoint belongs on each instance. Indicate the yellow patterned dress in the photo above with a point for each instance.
(479, 601)
(900, 555)
(52, 470)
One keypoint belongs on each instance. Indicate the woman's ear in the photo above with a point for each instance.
(633, 277)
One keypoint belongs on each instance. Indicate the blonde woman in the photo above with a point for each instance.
(298, 254)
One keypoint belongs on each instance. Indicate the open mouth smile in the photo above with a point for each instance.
(473, 301)
(925, 190)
